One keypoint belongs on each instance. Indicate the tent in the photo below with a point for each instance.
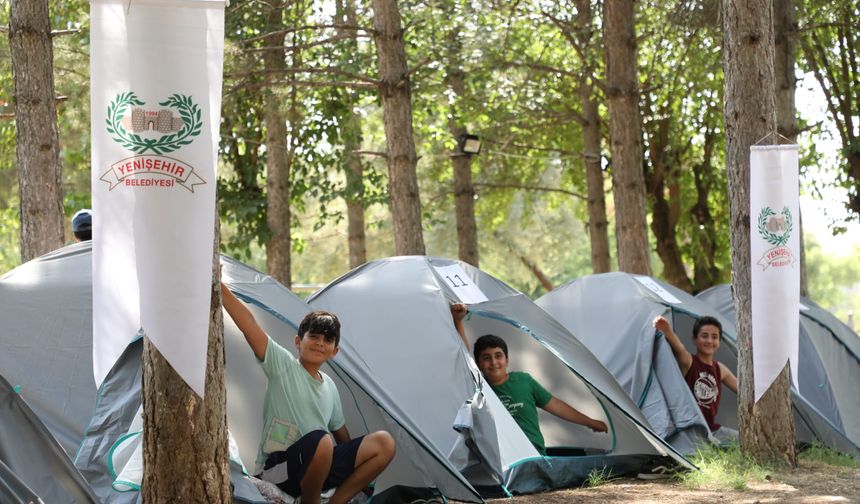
(643, 362)
(396, 321)
(829, 362)
(591, 308)
(46, 306)
(33, 466)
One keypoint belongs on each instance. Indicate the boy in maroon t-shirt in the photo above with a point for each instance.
(703, 374)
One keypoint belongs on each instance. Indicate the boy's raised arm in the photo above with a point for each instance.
(458, 313)
(567, 412)
(244, 319)
(684, 358)
(729, 378)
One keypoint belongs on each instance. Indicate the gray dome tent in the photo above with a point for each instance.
(33, 466)
(46, 306)
(612, 313)
(396, 321)
(829, 355)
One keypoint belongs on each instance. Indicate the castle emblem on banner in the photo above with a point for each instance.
(775, 229)
(150, 133)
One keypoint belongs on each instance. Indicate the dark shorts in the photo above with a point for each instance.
(287, 468)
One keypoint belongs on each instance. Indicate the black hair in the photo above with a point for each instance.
(489, 341)
(321, 322)
(85, 235)
(706, 320)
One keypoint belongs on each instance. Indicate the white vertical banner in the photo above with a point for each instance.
(775, 261)
(156, 107)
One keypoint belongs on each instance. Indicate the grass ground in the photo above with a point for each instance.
(822, 476)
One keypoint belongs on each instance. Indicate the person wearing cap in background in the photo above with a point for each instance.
(82, 225)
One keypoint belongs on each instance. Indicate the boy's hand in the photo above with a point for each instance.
(458, 311)
(597, 426)
(662, 325)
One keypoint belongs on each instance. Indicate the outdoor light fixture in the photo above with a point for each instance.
(469, 144)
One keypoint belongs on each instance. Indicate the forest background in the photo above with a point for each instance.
(521, 76)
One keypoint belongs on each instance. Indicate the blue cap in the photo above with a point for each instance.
(82, 220)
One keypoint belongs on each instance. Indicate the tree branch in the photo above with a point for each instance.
(371, 153)
(286, 31)
(522, 187)
(298, 47)
(297, 70)
(542, 68)
(60, 33)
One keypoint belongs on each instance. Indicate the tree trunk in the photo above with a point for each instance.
(38, 151)
(785, 54)
(766, 427)
(598, 229)
(628, 182)
(464, 191)
(665, 212)
(532, 266)
(395, 93)
(706, 274)
(356, 236)
(464, 206)
(185, 436)
(278, 157)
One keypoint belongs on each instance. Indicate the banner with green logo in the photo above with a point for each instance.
(775, 253)
(155, 101)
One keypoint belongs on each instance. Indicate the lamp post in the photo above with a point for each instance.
(469, 144)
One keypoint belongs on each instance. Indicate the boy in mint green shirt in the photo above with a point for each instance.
(303, 416)
(519, 392)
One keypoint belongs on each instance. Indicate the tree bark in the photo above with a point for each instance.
(464, 191)
(598, 228)
(395, 93)
(356, 235)
(665, 212)
(766, 427)
(464, 206)
(785, 54)
(705, 271)
(38, 151)
(184, 435)
(625, 132)
(278, 156)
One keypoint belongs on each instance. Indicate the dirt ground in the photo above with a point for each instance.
(812, 482)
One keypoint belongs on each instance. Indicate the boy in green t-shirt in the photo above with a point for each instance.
(519, 392)
(302, 413)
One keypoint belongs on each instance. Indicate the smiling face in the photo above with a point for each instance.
(316, 348)
(493, 364)
(707, 340)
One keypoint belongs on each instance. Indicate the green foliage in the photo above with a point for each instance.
(10, 255)
(723, 468)
(316, 117)
(833, 279)
(826, 455)
(831, 51)
(521, 75)
(598, 477)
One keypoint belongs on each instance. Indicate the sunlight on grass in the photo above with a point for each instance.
(818, 453)
(597, 477)
(723, 469)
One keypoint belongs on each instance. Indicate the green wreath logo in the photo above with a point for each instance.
(177, 131)
(775, 229)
